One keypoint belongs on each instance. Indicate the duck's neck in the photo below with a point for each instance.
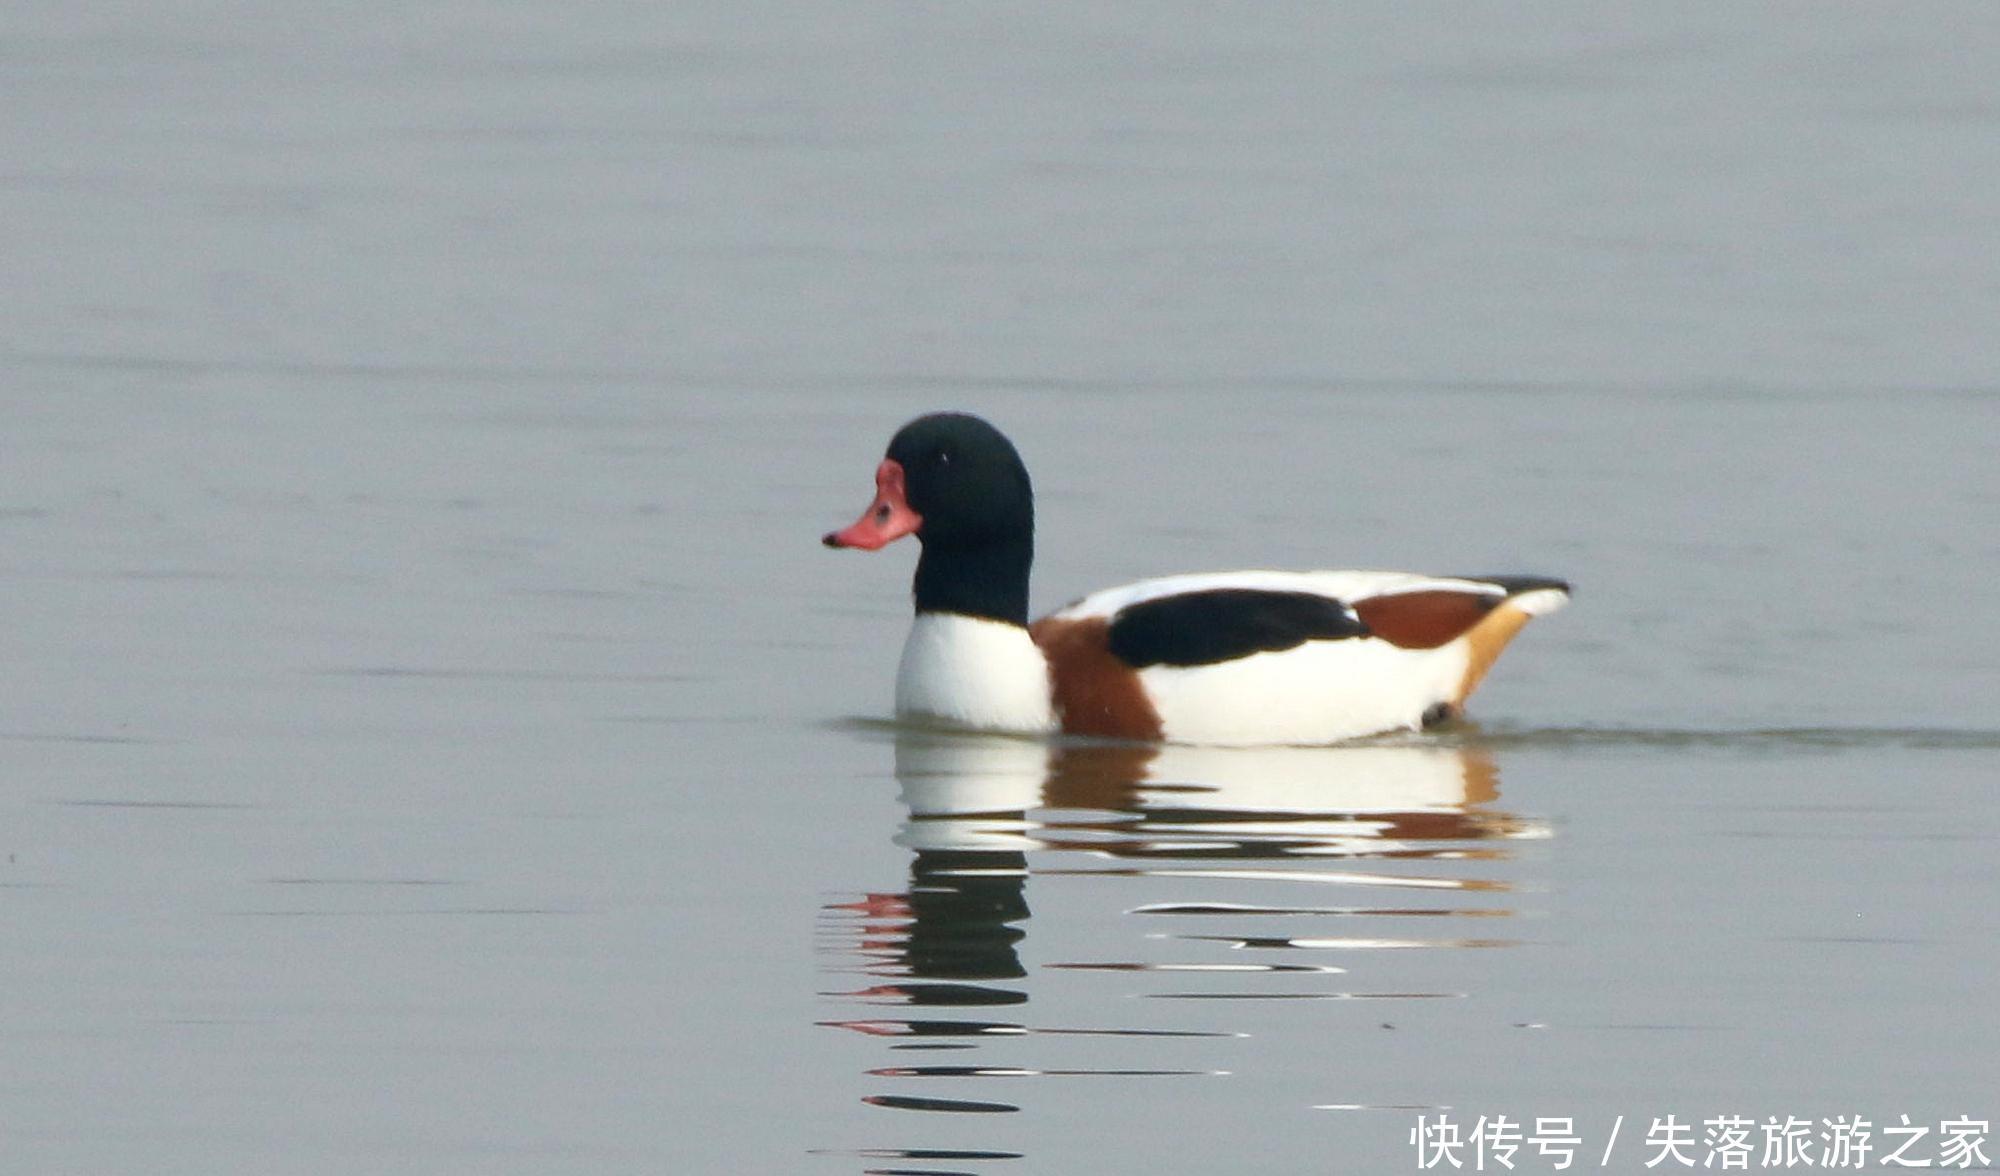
(988, 580)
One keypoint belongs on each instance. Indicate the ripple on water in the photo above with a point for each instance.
(1204, 835)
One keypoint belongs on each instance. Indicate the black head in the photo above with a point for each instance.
(957, 484)
(966, 480)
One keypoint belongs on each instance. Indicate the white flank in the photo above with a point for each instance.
(970, 672)
(1319, 692)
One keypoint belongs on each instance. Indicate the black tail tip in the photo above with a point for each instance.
(1516, 585)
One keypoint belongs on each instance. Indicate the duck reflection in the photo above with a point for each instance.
(955, 929)
(969, 830)
(1239, 827)
(1192, 803)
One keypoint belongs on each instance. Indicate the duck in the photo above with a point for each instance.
(1240, 658)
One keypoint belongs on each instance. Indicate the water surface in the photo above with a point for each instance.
(435, 741)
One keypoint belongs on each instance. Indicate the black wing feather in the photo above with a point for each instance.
(1223, 624)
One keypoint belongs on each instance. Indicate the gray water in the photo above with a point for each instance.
(435, 742)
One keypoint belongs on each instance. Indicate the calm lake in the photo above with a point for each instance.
(434, 739)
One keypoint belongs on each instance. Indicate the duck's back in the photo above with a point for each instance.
(1266, 657)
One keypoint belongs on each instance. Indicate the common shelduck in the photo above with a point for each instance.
(1247, 658)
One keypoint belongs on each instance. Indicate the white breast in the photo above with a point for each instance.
(970, 672)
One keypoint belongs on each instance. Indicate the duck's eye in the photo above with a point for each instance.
(944, 457)
(882, 513)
